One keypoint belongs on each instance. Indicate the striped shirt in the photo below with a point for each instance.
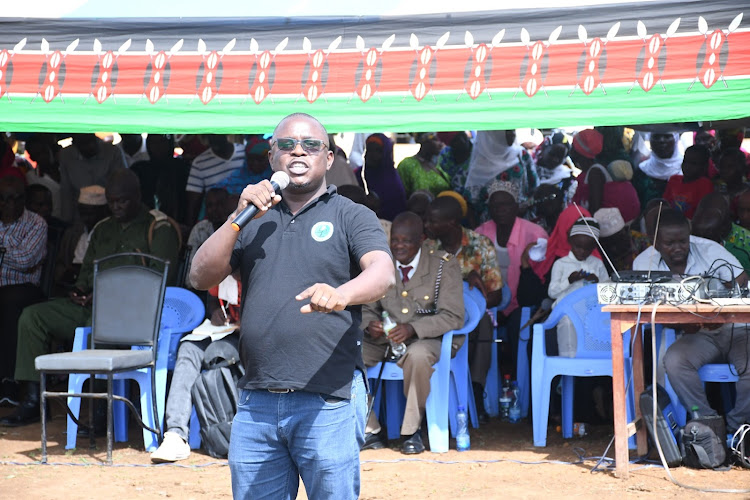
(208, 169)
(25, 244)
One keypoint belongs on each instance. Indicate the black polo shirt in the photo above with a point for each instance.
(280, 255)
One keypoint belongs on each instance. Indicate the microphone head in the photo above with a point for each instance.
(281, 179)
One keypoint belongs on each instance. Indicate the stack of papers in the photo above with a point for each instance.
(206, 330)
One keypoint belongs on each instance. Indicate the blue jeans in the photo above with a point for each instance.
(276, 438)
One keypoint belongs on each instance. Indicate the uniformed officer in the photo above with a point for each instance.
(132, 228)
(421, 321)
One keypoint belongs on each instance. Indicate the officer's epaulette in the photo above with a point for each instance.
(447, 256)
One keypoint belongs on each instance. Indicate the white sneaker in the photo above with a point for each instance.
(172, 449)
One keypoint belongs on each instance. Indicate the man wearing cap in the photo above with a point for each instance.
(23, 245)
(87, 161)
(92, 208)
(128, 230)
(615, 239)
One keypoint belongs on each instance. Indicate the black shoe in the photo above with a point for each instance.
(482, 414)
(26, 413)
(373, 442)
(413, 444)
(9, 392)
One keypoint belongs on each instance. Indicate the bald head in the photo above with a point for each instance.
(408, 222)
(304, 116)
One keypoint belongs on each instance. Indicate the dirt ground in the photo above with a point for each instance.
(502, 463)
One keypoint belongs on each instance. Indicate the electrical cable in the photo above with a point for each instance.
(655, 409)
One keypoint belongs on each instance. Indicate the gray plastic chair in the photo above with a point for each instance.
(127, 306)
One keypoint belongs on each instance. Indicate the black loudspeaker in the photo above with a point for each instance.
(666, 428)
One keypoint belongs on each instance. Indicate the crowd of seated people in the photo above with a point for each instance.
(503, 213)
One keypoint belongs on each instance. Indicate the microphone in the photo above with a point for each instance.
(279, 181)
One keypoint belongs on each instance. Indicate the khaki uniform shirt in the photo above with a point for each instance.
(404, 299)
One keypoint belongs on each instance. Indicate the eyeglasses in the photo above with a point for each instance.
(309, 145)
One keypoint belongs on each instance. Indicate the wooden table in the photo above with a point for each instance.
(625, 317)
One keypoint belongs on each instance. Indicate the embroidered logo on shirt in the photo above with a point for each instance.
(322, 231)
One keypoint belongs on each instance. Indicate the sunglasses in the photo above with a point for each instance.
(309, 145)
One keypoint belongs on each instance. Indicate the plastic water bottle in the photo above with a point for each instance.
(694, 414)
(579, 429)
(398, 349)
(506, 395)
(463, 443)
(514, 413)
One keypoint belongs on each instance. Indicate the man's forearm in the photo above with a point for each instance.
(210, 264)
(377, 276)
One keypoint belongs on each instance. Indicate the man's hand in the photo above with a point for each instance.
(323, 298)
(218, 318)
(375, 329)
(79, 297)
(262, 195)
(401, 333)
(475, 281)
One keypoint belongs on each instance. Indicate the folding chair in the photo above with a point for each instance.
(127, 308)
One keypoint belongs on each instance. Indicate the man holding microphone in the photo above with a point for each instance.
(307, 260)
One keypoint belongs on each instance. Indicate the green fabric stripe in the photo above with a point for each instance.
(339, 114)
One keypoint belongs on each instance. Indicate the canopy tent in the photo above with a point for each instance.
(605, 64)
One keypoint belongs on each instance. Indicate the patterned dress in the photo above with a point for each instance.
(738, 244)
(477, 253)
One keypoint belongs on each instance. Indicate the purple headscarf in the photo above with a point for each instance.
(384, 181)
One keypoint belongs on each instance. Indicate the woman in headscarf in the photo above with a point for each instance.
(496, 156)
(379, 176)
(651, 176)
(420, 172)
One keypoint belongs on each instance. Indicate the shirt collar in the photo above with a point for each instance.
(414, 262)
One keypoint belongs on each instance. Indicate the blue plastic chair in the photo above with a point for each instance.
(182, 312)
(522, 363)
(438, 405)
(462, 393)
(593, 358)
(712, 372)
(492, 384)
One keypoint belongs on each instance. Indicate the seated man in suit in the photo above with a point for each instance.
(426, 302)
(132, 228)
(677, 251)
